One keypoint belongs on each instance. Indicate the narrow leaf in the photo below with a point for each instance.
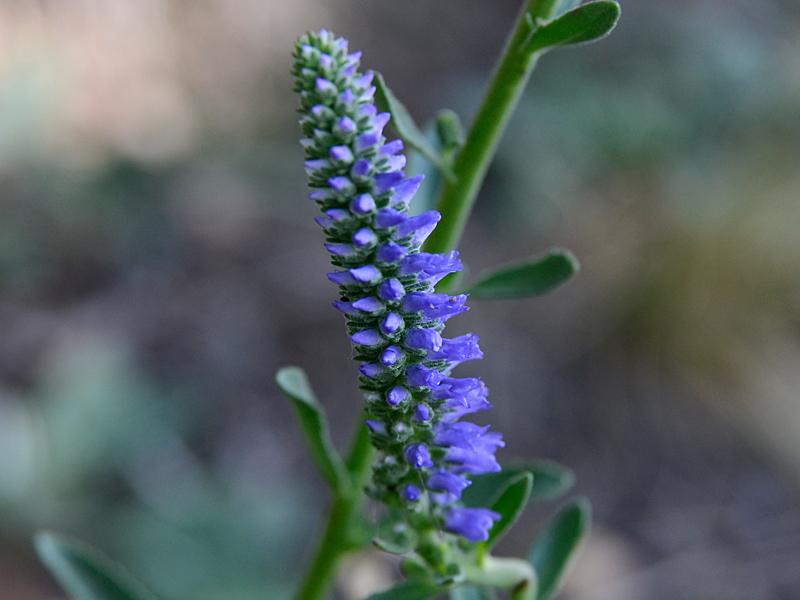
(412, 590)
(510, 505)
(552, 552)
(84, 573)
(294, 384)
(528, 278)
(585, 23)
(550, 480)
(406, 127)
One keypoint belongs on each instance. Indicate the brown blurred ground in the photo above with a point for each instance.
(158, 263)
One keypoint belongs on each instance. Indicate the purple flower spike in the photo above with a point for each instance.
(412, 402)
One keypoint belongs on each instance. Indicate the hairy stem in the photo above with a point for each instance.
(508, 81)
(338, 538)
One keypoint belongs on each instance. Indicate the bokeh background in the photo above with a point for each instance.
(159, 262)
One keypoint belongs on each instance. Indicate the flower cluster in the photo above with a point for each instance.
(394, 317)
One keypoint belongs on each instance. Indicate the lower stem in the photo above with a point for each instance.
(339, 535)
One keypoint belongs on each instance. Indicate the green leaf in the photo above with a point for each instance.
(548, 9)
(552, 552)
(84, 573)
(583, 24)
(510, 505)
(469, 592)
(550, 480)
(529, 278)
(412, 590)
(294, 383)
(406, 127)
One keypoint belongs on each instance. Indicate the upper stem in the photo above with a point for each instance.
(508, 81)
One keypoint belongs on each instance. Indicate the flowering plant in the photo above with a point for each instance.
(447, 499)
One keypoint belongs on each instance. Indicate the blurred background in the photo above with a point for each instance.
(159, 262)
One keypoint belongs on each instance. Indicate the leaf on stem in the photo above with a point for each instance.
(586, 23)
(550, 480)
(510, 505)
(412, 590)
(532, 277)
(84, 573)
(552, 552)
(406, 127)
(294, 384)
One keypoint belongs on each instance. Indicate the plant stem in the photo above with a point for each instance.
(508, 81)
(338, 538)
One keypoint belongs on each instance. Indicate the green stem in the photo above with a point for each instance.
(338, 538)
(507, 84)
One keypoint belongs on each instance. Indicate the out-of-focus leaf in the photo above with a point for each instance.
(406, 127)
(469, 592)
(294, 383)
(553, 550)
(84, 573)
(412, 590)
(426, 196)
(583, 24)
(528, 278)
(550, 480)
(510, 505)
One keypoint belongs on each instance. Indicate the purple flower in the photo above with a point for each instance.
(417, 455)
(473, 523)
(445, 481)
(435, 306)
